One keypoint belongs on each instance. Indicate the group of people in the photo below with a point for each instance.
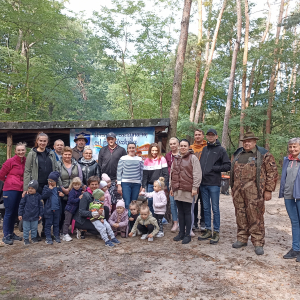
(66, 187)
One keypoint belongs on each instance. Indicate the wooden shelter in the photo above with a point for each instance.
(12, 133)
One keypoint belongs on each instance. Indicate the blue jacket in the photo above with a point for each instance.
(31, 207)
(51, 199)
(73, 200)
(296, 191)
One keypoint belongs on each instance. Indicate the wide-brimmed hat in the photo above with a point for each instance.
(81, 137)
(249, 136)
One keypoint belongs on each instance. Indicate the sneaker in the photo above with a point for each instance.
(115, 241)
(57, 240)
(67, 238)
(49, 242)
(144, 236)
(205, 235)
(175, 227)
(38, 236)
(16, 237)
(26, 242)
(202, 226)
(291, 254)
(150, 239)
(187, 239)
(215, 238)
(259, 250)
(134, 234)
(34, 240)
(138, 232)
(178, 237)
(7, 240)
(160, 234)
(109, 244)
(238, 244)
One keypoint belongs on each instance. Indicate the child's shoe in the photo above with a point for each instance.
(26, 242)
(144, 236)
(138, 232)
(67, 238)
(160, 234)
(109, 244)
(123, 234)
(49, 242)
(34, 240)
(150, 239)
(57, 240)
(16, 237)
(134, 234)
(115, 241)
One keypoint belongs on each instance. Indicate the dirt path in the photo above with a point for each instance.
(85, 269)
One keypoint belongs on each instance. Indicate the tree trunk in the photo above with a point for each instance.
(174, 110)
(198, 61)
(205, 76)
(232, 75)
(245, 60)
(272, 79)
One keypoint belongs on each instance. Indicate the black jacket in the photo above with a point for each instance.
(31, 207)
(213, 161)
(88, 170)
(108, 161)
(83, 211)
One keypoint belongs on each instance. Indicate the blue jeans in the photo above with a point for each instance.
(293, 210)
(11, 201)
(210, 196)
(30, 226)
(173, 209)
(52, 220)
(130, 192)
(150, 200)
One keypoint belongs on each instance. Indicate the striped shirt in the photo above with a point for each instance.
(130, 169)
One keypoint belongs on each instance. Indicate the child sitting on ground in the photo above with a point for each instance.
(119, 220)
(31, 211)
(50, 195)
(107, 197)
(159, 202)
(74, 197)
(146, 224)
(133, 213)
(112, 189)
(98, 219)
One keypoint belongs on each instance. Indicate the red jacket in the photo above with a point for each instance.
(12, 173)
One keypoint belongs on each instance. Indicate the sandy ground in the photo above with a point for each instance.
(164, 269)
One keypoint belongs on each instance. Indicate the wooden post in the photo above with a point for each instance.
(9, 145)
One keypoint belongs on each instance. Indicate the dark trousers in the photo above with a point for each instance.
(184, 217)
(196, 219)
(63, 204)
(52, 220)
(145, 229)
(159, 221)
(67, 222)
(87, 225)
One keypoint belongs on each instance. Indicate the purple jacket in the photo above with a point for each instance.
(73, 201)
(123, 218)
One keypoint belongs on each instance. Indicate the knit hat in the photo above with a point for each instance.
(34, 184)
(102, 184)
(97, 194)
(105, 177)
(54, 176)
(120, 203)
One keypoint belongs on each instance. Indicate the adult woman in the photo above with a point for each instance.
(290, 190)
(12, 173)
(88, 165)
(174, 146)
(68, 168)
(185, 180)
(130, 175)
(155, 166)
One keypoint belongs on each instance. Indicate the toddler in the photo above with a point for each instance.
(112, 189)
(146, 224)
(159, 202)
(31, 211)
(133, 213)
(50, 195)
(97, 209)
(119, 219)
(107, 198)
(74, 197)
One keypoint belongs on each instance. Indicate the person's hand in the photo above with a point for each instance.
(131, 219)
(24, 193)
(102, 220)
(171, 193)
(119, 189)
(267, 195)
(130, 234)
(80, 197)
(60, 194)
(40, 218)
(20, 218)
(150, 235)
(143, 190)
(51, 187)
(116, 225)
(65, 191)
(194, 192)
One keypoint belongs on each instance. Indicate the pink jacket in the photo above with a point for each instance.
(107, 200)
(159, 202)
(115, 217)
(12, 173)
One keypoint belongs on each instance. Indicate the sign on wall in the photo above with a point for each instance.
(141, 136)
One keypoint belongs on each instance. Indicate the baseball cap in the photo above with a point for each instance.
(111, 135)
(211, 131)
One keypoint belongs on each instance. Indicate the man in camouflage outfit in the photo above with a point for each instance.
(253, 178)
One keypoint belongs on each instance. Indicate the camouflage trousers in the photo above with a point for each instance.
(249, 212)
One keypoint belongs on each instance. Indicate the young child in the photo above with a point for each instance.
(98, 220)
(50, 195)
(159, 202)
(112, 189)
(74, 197)
(146, 224)
(119, 220)
(31, 211)
(107, 201)
(133, 213)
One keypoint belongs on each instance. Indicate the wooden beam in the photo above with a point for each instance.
(9, 145)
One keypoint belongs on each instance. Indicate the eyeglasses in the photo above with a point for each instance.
(50, 180)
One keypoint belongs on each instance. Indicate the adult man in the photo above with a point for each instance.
(199, 144)
(213, 161)
(109, 156)
(58, 147)
(253, 178)
(80, 141)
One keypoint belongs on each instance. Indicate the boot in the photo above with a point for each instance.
(238, 244)
(259, 250)
(175, 227)
(205, 235)
(187, 239)
(215, 238)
